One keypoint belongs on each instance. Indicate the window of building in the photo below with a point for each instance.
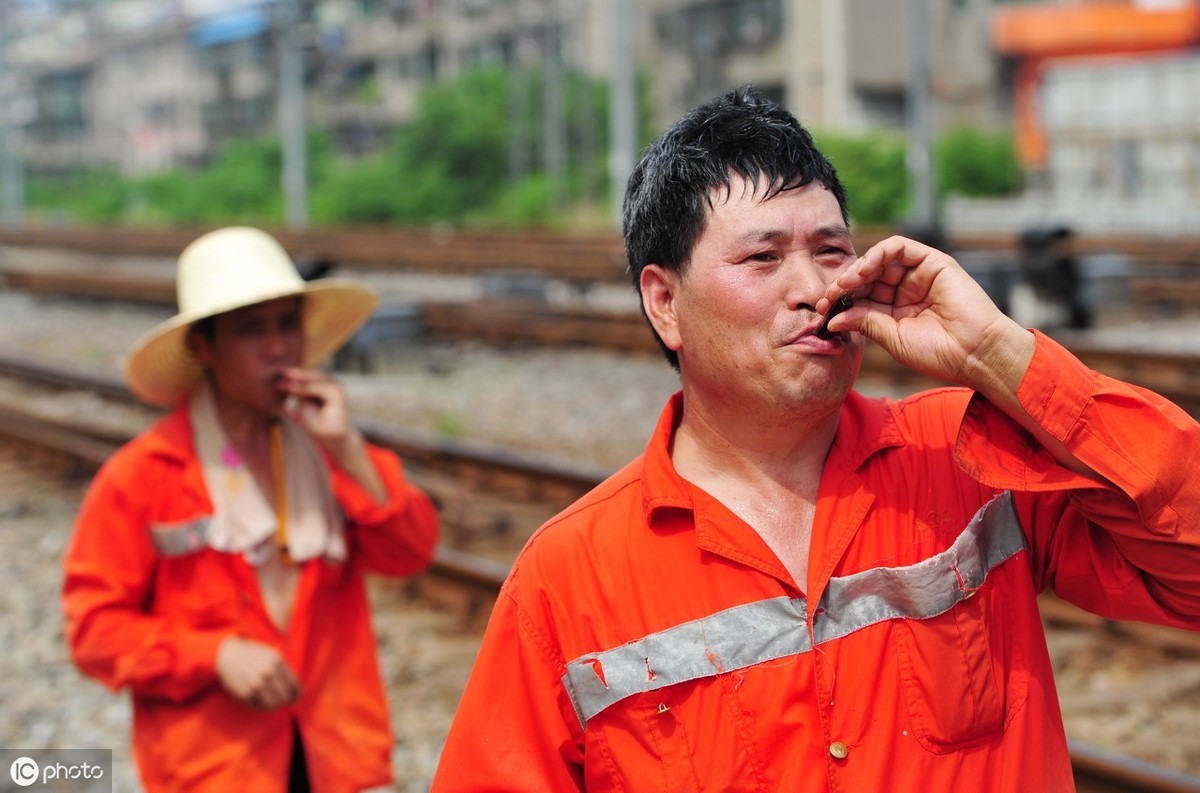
(421, 65)
(237, 116)
(728, 25)
(489, 52)
(60, 101)
(243, 52)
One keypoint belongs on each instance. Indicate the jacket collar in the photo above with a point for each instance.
(171, 436)
(866, 426)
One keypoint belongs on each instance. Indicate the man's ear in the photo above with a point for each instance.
(659, 286)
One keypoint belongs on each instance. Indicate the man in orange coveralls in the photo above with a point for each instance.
(798, 588)
(217, 563)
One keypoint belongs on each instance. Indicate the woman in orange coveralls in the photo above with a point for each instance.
(216, 568)
(796, 587)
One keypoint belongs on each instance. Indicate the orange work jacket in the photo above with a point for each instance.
(648, 640)
(147, 603)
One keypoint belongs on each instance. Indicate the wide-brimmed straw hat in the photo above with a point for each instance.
(232, 268)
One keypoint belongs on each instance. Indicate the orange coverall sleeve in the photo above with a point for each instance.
(1127, 548)
(108, 576)
(397, 538)
(515, 683)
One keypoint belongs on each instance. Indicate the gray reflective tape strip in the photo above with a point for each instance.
(754, 633)
(925, 589)
(177, 539)
(732, 639)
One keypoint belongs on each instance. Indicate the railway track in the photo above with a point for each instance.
(511, 474)
(594, 257)
(583, 257)
(1097, 771)
(1175, 375)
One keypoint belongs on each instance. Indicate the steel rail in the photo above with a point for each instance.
(72, 441)
(1175, 375)
(594, 257)
(539, 475)
(1104, 771)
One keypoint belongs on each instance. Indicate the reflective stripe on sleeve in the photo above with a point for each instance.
(178, 539)
(765, 630)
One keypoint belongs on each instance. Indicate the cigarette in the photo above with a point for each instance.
(844, 302)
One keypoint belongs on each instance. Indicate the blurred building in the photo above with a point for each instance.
(1106, 100)
(147, 84)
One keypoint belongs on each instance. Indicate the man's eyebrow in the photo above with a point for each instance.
(833, 231)
(759, 235)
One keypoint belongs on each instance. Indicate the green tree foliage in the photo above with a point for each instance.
(871, 167)
(362, 191)
(95, 196)
(452, 159)
(474, 155)
(974, 162)
(241, 185)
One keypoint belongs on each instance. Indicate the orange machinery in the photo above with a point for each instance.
(1039, 35)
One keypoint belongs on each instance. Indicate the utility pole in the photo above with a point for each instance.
(554, 145)
(12, 177)
(294, 180)
(834, 53)
(518, 114)
(923, 213)
(622, 113)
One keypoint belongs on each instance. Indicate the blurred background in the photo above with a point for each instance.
(971, 116)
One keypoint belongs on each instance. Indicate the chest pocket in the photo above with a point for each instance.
(954, 673)
(962, 670)
(685, 738)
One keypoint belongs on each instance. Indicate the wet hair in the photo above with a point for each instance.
(670, 189)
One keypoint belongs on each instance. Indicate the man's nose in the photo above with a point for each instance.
(807, 282)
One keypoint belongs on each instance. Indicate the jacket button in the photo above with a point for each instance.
(838, 750)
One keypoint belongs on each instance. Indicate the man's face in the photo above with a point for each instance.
(743, 307)
(249, 350)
